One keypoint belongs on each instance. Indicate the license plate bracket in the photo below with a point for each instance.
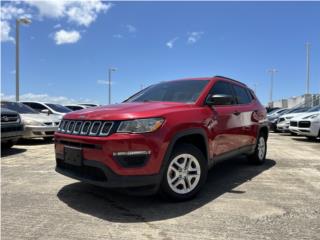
(73, 156)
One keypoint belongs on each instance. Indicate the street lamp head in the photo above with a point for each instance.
(113, 69)
(25, 20)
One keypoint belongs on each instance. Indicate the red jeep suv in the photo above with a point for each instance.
(164, 138)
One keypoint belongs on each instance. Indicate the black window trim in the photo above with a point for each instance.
(233, 95)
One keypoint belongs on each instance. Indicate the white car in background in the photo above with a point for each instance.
(283, 122)
(307, 124)
(36, 125)
(48, 108)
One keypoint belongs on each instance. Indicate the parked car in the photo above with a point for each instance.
(273, 118)
(36, 125)
(165, 138)
(271, 109)
(283, 122)
(75, 107)
(11, 127)
(48, 108)
(307, 124)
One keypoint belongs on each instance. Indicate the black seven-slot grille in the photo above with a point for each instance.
(89, 128)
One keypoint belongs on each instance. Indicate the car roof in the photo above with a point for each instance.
(212, 78)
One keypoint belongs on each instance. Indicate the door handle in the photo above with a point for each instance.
(237, 113)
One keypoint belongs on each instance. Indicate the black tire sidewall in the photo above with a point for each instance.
(165, 189)
(254, 158)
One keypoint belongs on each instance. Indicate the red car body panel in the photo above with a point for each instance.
(226, 128)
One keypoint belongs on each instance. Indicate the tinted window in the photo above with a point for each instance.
(186, 91)
(221, 88)
(58, 108)
(314, 109)
(18, 107)
(241, 95)
(36, 106)
(74, 108)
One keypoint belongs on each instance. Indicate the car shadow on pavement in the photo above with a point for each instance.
(117, 207)
(34, 141)
(304, 139)
(11, 151)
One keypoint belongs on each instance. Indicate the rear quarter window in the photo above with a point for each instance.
(241, 94)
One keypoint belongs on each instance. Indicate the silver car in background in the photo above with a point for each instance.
(36, 125)
(48, 108)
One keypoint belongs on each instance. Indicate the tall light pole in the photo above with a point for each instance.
(308, 68)
(272, 73)
(110, 70)
(18, 21)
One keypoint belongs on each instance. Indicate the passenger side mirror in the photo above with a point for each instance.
(46, 111)
(220, 99)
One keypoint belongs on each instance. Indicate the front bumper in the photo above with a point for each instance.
(312, 131)
(11, 132)
(39, 131)
(102, 167)
(283, 126)
(96, 173)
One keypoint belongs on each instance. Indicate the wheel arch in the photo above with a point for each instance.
(195, 136)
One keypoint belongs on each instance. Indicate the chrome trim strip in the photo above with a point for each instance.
(74, 129)
(83, 125)
(92, 133)
(106, 134)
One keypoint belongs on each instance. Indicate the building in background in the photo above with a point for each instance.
(307, 100)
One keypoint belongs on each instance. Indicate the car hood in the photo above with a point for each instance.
(291, 115)
(131, 110)
(39, 117)
(303, 115)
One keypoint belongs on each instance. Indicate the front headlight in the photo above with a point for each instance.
(32, 122)
(140, 125)
(312, 116)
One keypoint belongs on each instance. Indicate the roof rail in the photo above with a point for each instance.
(231, 80)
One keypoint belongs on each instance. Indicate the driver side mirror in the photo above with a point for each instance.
(46, 111)
(220, 99)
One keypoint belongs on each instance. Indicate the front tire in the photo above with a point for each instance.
(260, 152)
(184, 174)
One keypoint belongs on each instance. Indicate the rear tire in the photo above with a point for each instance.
(260, 152)
(184, 173)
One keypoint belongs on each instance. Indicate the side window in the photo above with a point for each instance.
(36, 106)
(222, 88)
(241, 94)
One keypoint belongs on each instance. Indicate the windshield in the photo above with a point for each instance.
(186, 91)
(58, 108)
(273, 111)
(298, 110)
(315, 109)
(18, 107)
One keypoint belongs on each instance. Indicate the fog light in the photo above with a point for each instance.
(132, 159)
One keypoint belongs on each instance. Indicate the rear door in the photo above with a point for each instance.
(226, 122)
(246, 108)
